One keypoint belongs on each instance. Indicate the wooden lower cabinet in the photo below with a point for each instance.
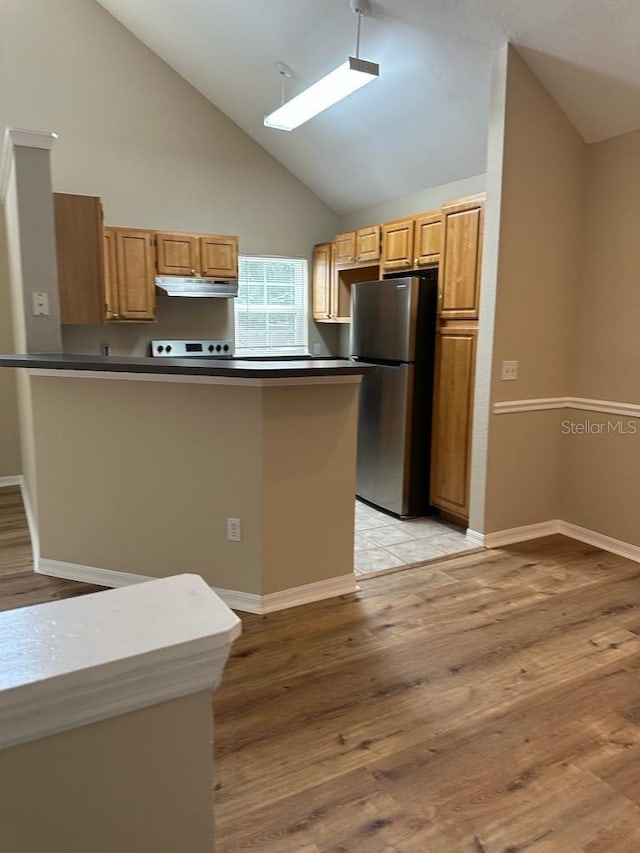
(453, 418)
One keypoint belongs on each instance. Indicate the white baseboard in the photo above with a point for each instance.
(600, 540)
(521, 534)
(294, 597)
(14, 480)
(87, 574)
(235, 599)
(474, 538)
(566, 528)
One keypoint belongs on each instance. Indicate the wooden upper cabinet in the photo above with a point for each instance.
(459, 284)
(428, 237)
(177, 254)
(345, 247)
(368, 244)
(397, 245)
(322, 285)
(219, 256)
(80, 256)
(200, 255)
(452, 419)
(110, 274)
(356, 248)
(136, 274)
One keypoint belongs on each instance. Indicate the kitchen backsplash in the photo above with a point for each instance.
(177, 318)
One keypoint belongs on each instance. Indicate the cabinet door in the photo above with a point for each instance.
(397, 246)
(80, 258)
(219, 256)
(459, 285)
(110, 274)
(322, 281)
(136, 274)
(178, 254)
(368, 244)
(452, 419)
(428, 239)
(345, 247)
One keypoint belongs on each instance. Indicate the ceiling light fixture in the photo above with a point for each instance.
(345, 79)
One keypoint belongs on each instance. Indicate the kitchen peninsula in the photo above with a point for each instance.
(140, 463)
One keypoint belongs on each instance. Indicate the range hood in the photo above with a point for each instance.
(174, 285)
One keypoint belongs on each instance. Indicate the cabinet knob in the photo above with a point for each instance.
(416, 261)
(193, 272)
(115, 316)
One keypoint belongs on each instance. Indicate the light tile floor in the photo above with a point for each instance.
(384, 542)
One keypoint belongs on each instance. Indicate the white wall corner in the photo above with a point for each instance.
(16, 136)
(474, 538)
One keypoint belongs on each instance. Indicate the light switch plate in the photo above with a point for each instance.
(509, 370)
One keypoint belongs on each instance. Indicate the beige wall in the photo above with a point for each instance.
(536, 290)
(309, 472)
(10, 463)
(140, 477)
(418, 202)
(606, 359)
(141, 781)
(603, 470)
(135, 133)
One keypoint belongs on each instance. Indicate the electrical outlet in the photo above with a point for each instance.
(317, 349)
(509, 370)
(234, 530)
(40, 304)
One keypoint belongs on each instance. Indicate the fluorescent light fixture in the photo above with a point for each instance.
(347, 78)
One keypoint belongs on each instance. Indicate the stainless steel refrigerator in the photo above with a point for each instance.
(393, 327)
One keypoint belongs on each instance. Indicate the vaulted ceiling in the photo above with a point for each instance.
(424, 121)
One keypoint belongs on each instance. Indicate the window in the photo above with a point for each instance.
(271, 306)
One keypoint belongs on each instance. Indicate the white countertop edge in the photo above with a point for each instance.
(59, 709)
(80, 660)
(245, 381)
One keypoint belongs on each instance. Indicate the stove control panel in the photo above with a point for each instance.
(192, 349)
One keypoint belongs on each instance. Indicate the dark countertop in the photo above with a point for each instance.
(239, 368)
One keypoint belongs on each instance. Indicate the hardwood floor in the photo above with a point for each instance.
(491, 705)
(15, 545)
(19, 586)
(27, 588)
(488, 704)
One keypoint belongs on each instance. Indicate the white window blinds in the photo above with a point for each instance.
(271, 306)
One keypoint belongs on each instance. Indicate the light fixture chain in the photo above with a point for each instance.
(359, 16)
